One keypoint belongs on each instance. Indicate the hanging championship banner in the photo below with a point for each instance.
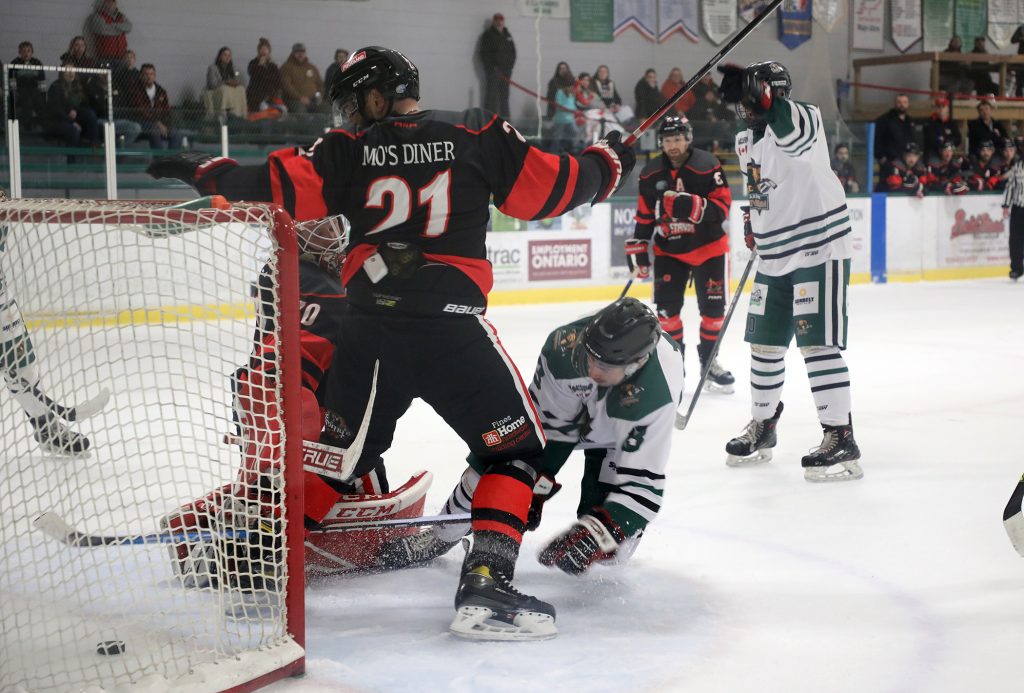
(551, 9)
(937, 17)
(718, 17)
(1004, 16)
(906, 23)
(794, 22)
(636, 14)
(751, 8)
(677, 16)
(829, 13)
(970, 20)
(867, 24)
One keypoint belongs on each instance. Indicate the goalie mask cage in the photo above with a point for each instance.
(157, 305)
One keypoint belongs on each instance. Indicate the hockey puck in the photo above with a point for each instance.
(110, 647)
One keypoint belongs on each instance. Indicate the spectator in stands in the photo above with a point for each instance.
(225, 87)
(334, 69)
(981, 73)
(564, 132)
(673, 84)
(127, 81)
(109, 28)
(589, 107)
(30, 88)
(955, 45)
(584, 92)
(947, 174)
(603, 85)
(1013, 209)
(954, 77)
(264, 95)
(710, 109)
(705, 84)
(647, 95)
(843, 168)
(94, 86)
(985, 128)
(498, 55)
(301, 82)
(893, 131)
(940, 129)
(563, 74)
(69, 115)
(982, 174)
(154, 112)
(1018, 38)
(907, 174)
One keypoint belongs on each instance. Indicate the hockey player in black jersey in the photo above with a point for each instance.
(415, 186)
(684, 200)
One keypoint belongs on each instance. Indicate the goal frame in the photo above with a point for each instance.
(289, 373)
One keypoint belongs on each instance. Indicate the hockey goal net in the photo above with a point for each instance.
(155, 306)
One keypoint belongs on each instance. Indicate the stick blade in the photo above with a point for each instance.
(91, 407)
(54, 526)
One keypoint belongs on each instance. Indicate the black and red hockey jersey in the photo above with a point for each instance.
(424, 179)
(982, 175)
(702, 175)
(321, 303)
(898, 177)
(948, 178)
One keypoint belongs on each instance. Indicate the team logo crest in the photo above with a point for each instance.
(803, 327)
(629, 394)
(715, 289)
(756, 297)
(758, 187)
(566, 341)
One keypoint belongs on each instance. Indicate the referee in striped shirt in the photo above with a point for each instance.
(1013, 207)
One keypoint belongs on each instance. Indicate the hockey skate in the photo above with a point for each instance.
(488, 607)
(421, 547)
(836, 459)
(719, 379)
(754, 445)
(55, 438)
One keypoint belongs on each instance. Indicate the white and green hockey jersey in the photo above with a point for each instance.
(625, 430)
(797, 204)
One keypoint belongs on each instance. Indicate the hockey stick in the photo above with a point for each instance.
(699, 75)
(54, 526)
(681, 420)
(1013, 520)
(625, 289)
(339, 463)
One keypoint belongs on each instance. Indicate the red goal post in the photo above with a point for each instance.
(156, 305)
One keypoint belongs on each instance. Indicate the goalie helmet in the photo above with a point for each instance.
(675, 125)
(323, 241)
(622, 335)
(374, 67)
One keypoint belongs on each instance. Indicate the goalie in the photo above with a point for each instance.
(21, 376)
(250, 502)
(609, 385)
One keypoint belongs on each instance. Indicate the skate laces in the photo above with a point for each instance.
(752, 432)
(828, 442)
(715, 368)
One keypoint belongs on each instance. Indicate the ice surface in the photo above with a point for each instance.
(753, 579)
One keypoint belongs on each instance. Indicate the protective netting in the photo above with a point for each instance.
(158, 308)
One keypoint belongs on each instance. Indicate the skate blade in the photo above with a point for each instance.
(842, 471)
(758, 457)
(720, 389)
(479, 623)
(64, 453)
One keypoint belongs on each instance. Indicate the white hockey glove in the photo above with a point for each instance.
(543, 490)
(592, 538)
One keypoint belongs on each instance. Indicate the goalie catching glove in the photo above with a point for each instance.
(194, 168)
(594, 537)
(618, 159)
(637, 258)
(684, 206)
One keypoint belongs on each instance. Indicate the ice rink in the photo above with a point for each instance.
(752, 579)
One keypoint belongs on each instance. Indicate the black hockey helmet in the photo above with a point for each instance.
(622, 335)
(675, 125)
(375, 67)
(912, 148)
(756, 76)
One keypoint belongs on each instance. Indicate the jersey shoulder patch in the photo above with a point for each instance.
(560, 347)
(643, 394)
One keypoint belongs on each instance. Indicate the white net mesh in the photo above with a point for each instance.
(160, 313)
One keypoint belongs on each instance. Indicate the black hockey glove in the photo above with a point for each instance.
(731, 89)
(592, 538)
(637, 258)
(617, 161)
(683, 206)
(543, 490)
(195, 168)
(748, 230)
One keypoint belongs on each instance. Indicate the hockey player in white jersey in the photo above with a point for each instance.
(800, 226)
(21, 376)
(609, 385)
